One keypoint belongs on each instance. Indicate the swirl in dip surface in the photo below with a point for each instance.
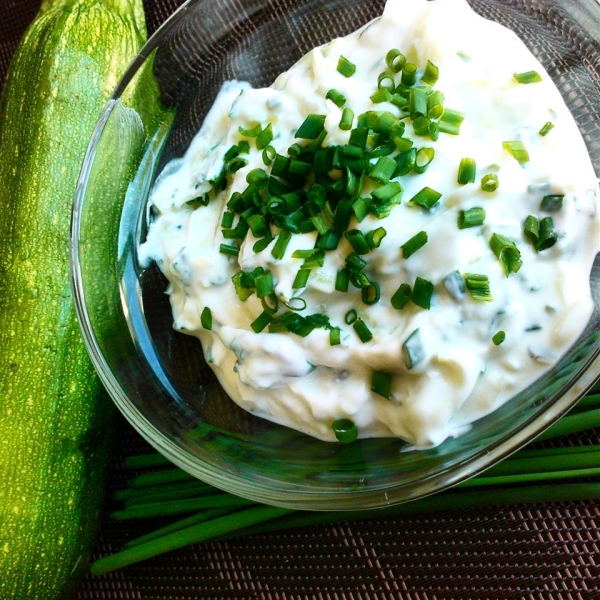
(434, 370)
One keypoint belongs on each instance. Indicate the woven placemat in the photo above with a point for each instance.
(537, 551)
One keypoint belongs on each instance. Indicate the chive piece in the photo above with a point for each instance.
(264, 284)
(347, 119)
(472, 217)
(451, 121)
(531, 229)
(434, 131)
(242, 290)
(417, 103)
(517, 150)
(421, 125)
(227, 219)
(261, 244)
(552, 202)
(281, 243)
(358, 137)
(265, 137)
(357, 241)
(383, 170)
(358, 279)
(355, 262)
(400, 299)
(206, 318)
(381, 383)
(499, 337)
(375, 237)
(345, 430)
(280, 166)
(381, 95)
(431, 74)
(362, 330)
(390, 192)
(335, 336)
(527, 77)
(423, 159)
(311, 128)
(415, 242)
(506, 252)
(466, 171)
(413, 351)
(546, 128)
(350, 317)
(402, 145)
(229, 250)
(548, 236)
(250, 132)
(409, 74)
(261, 321)
(336, 97)
(385, 81)
(478, 286)
(296, 303)
(405, 161)
(268, 155)
(422, 293)
(342, 280)
(426, 198)
(371, 294)
(435, 104)
(395, 60)
(270, 303)
(301, 278)
(360, 208)
(455, 285)
(345, 67)
(489, 182)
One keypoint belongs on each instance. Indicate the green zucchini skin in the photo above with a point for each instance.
(55, 417)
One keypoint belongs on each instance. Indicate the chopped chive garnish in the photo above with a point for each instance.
(335, 336)
(415, 242)
(261, 244)
(296, 303)
(423, 159)
(431, 74)
(250, 132)
(517, 150)
(280, 166)
(472, 217)
(546, 128)
(507, 253)
(311, 128)
(206, 318)
(390, 192)
(434, 131)
(342, 280)
(400, 299)
(381, 95)
(355, 262)
(347, 119)
(385, 81)
(268, 155)
(261, 321)
(409, 73)
(258, 225)
(229, 250)
(426, 198)
(450, 121)
(422, 293)
(499, 337)
(336, 97)
(435, 104)
(345, 430)
(552, 202)
(265, 137)
(358, 279)
(413, 351)
(395, 60)
(466, 171)
(264, 284)
(345, 67)
(455, 285)
(417, 103)
(383, 170)
(281, 243)
(270, 303)
(243, 289)
(478, 286)
(489, 182)
(350, 317)
(375, 237)
(200, 201)
(405, 161)
(371, 294)
(421, 125)
(381, 383)
(301, 278)
(362, 330)
(357, 241)
(531, 229)
(548, 236)
(527, 77)
(227, 219)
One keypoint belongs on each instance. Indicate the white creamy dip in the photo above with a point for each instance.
(459, 374)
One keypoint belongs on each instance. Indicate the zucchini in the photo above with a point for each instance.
(54, 414)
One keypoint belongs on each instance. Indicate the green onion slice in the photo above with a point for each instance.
(527, 77)
(251, 131)
(400, 299)
(381, 383)
(414, 243)
(478, 286)
(312, 127)
(347, 119)
(506, 252)
(350, 317)
(499, 337)
(546, 128)
(261, 321)
(345, 430)
(472, 217)
(345, 67)
(395, 60)
(466, 171)
(422, 293)
(371, 294)
(431, 74)
(531, 228)
(206, 318)
(517, 150)
(423, 159)
(362, 330)
(336, 97)
(489, 182)
(427, 198)
(552, 202)
(548, 236)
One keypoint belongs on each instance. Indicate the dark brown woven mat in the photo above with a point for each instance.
(536, 551)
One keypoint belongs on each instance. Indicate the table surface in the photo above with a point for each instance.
(546, 550)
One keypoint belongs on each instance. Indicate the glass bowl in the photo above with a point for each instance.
(158, 378)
